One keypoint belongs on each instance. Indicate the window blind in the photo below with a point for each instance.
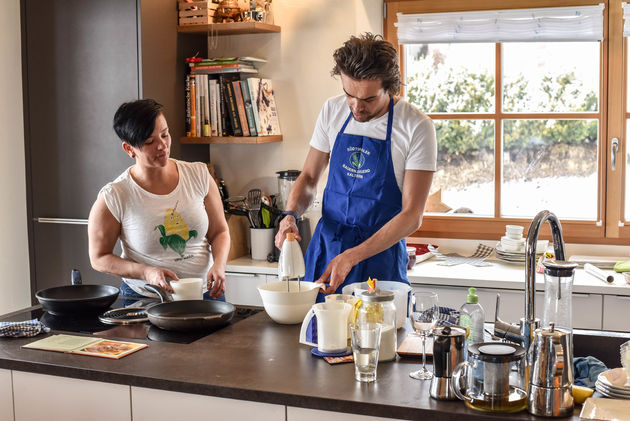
(578, 23)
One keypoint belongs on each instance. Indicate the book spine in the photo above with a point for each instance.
(254, 86)
(240, 106)
(206, 106)
(214, 123)
(225, 122)
(230, 104)
(193, 107)
(249, 111)
(187, 103)
(267, 108)
(197, 105)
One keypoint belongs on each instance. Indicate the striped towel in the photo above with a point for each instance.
(448, 316)
(22, 329)
(452, 259)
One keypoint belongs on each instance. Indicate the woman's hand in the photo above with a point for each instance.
(288, 224)
(157, 276)
(216, 281)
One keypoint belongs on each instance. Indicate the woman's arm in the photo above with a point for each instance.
(219, 238)
(103, 232)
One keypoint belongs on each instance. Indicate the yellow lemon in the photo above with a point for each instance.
(580, 393)
(174, 224)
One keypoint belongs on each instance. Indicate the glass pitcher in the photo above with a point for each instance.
(558, 290)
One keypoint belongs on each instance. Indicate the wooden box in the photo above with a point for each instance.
(198, 12)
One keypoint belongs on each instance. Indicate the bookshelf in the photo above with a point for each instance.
(229, 140)
(232, 28)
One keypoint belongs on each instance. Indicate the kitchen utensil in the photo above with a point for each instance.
(401, 296)
(187, 289)
(188, 315)
(291, 261)
(261, 240)
(448, 351)
(77, 298)
(490, 380)
(558, 292)
(124, 316)
(332, 326)
(366, 341)
(551, 359)
(286, 179)
(598, 273)
(288, 306)
(253, 198)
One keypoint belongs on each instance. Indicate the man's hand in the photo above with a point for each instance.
(216, 281)
(157, 276)
(287, 225)
(336, 271)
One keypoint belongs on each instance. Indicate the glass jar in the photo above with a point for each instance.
(411, 253)
(378, 307)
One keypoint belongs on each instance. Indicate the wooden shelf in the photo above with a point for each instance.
(232, 28)
(229, 140)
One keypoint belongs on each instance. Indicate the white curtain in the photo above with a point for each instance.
(579, 23)
(626, 19)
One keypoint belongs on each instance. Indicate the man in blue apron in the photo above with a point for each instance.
(381, 153)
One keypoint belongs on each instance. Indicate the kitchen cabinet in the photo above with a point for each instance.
(43, 397)
(81, 60)
(6, 395)
(162, 405)
(303, 414)
(587, 308)
(241, 288)
(616, 313)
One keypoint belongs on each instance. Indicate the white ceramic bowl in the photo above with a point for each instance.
(509, 244)
(288, 307)
(514, 231)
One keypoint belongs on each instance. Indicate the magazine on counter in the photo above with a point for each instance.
(85, 345)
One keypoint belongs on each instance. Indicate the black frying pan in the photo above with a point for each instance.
(77, 298)
(188, 315)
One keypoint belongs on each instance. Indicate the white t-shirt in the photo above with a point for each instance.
(414, 146)
(167, 231)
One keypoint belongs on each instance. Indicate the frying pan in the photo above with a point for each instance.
(188, 315)
(77, 298)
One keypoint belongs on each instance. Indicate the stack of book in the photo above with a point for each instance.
(219, 102)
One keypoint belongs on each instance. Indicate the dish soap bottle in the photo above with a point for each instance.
(291, 261)
(472, 316)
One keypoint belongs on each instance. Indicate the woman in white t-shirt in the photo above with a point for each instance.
(167, 214)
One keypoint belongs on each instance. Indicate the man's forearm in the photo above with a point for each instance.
(302, 195)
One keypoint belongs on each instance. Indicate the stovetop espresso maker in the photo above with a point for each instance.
(449, 347)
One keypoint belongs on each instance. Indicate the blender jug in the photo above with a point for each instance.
(286, 179)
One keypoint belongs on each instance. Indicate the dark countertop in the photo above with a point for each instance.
(257, 360)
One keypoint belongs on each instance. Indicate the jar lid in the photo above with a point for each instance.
(559, 268)
(288, 174)
(494, 352)
(377, 296)
(444, 331)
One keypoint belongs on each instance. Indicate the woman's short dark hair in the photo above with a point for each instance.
(134, 121)
(369, 57)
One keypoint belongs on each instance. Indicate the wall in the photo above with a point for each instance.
(299, 64)
(14, 245)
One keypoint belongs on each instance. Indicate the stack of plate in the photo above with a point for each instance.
(518, 257)
(613, 384)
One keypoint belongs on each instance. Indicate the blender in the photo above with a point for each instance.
(286, 179)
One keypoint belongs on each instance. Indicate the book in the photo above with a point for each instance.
(267, 111)
(253, 85)
(187, 104)
(226, 128)
(214, 121)
(195, 67)
(86, 345)
(193, 106)
(230, 105)
(224, 70)
(229, 60)
(249, 110)
(206, 106)
(240, 106)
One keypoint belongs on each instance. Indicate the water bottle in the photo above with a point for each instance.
(472, 316)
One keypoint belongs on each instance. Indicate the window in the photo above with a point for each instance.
(522, 124)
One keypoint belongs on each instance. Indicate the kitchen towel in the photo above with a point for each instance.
(22, 329)
(586, 370)
(476, 259)
(447, 316)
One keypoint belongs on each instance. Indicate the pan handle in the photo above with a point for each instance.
(75, 278)
(164, 297)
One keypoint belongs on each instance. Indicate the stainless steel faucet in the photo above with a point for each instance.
(523, 334)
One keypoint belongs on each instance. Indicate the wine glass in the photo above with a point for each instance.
(423, 314)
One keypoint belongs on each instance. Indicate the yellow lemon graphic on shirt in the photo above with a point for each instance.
(175, 232)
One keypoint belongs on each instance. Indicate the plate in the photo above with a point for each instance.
(604, 389)
(610, 394)
(615, 379)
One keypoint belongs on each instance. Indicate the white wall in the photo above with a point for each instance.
(299, 64)
(14, 281)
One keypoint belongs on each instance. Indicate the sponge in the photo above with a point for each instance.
(623, 266)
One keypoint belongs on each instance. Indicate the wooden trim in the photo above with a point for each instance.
(229, 140)
(515, 116)
(498, 144)
(432, 6)
(232, 28)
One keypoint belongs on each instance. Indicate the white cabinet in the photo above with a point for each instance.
(587, 308)
(42, 397)
(617, 313)
(302, 414)
(240, 288)
(6, 395)
(162, 405)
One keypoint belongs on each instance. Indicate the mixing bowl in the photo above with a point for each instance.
(288, 306)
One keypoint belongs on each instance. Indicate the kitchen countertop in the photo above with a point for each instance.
(499, 275)
(257, 360)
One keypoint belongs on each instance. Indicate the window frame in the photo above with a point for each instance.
(609, 227)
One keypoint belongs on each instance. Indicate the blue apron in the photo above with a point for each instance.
(360, 197)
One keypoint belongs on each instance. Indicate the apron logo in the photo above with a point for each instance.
(357, 160)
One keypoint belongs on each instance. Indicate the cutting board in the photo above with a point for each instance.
(411, 346)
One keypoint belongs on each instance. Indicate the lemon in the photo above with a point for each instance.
(580, 393)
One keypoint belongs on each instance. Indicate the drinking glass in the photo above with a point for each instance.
(366, 340)
(423, 314)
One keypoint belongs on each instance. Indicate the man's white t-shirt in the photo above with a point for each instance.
(414, 145)
(166, 231)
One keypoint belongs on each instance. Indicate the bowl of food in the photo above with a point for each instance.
(287, 302)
